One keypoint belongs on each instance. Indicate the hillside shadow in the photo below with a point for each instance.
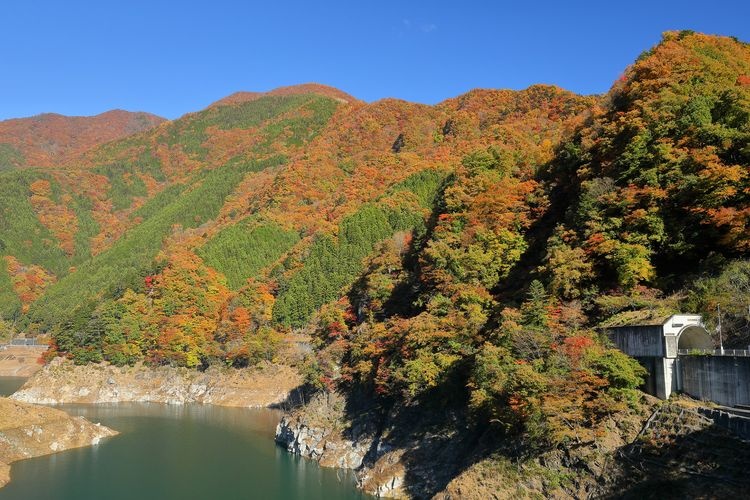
(563, 192)
(435, 439)
(683, 456)
(297, 397)
(402, 300)
(681, 460)
(436, 454)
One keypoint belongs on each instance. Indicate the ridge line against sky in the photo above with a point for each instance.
(83, 58)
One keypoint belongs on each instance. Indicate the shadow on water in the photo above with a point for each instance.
(177, 452)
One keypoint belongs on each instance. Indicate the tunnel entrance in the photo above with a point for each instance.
(694, 337)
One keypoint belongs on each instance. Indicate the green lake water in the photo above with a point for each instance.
(176, 452)
(9, 385)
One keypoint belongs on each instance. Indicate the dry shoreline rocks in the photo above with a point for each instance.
(62, 382)
(28, 431)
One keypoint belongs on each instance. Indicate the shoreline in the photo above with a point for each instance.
(62, 382)
(401, 452)
(30, 431)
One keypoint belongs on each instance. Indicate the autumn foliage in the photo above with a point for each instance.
(457, 252)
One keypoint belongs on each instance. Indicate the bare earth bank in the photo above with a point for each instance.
(28, 431)
(20, 361)
(61, 381)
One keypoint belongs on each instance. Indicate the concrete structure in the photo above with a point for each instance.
(656, 346)
(719, 378)
(734, 421)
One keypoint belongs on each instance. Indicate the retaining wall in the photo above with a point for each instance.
(722, 379)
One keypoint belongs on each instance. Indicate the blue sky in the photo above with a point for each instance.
(169, 58)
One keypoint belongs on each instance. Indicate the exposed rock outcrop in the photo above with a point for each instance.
(28, 431)
(320, 433)
(338, 433)
(63, 382)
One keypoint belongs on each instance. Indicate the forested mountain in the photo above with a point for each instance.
(468, 247)
(643, 209)
(50, 140)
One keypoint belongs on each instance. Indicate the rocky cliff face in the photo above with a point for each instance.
(28, 431)
(63, 382)
(407, 454)
(336, 433)
(319, 433)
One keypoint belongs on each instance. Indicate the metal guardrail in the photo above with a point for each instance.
(24, 342)
(713, 352)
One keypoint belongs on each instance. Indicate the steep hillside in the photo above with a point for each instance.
(190, 179)
(659, 176)
(521, 261)
(487, 317)
(654, 191)
(49, 140)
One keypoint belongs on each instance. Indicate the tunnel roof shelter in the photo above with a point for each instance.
(662, 339)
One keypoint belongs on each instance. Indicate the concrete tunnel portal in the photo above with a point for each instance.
(666, 348)
(656, 344)
(694, 337)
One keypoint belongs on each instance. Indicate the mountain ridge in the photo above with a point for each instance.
(51, 139)
(301, 88)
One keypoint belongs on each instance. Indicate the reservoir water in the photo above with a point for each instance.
(176, 452)
(9, 385)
